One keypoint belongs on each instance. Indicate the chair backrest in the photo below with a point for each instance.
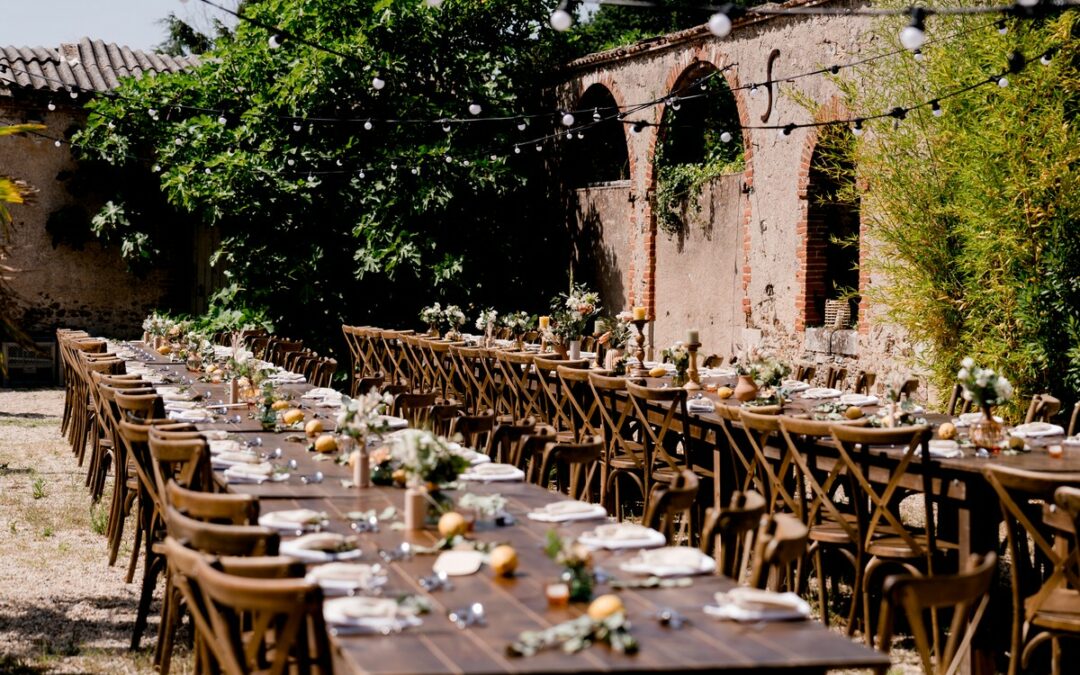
(249, 616)
(524, 394)
(182, 458)
(835, 377)
(913, 595)
(815, 487)
(553, 403)
(864, 382)
(1073, 419)
(223, 508)
(780, 544)
(475, 430)
(761, 432)
(658, 435)
(958, 405)
(573, 466)
(216, 539)
(804, 372)
(616, 414)
(505, 441)
(1043, 408)
(139, 407)
(668, 501)
(581, 405)
(415, 407)
(443, 415)
(729, 533)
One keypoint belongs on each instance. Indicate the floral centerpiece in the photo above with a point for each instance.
(453, 319)
(363, 415)
(616, 339)
(156, 328)
(985, 389)
(426, 459)
(761, 375)
(486, 323)
(432, 315)
(519, 323)
(572, 314)
(898, 410)
(679, 356)
(576, 560)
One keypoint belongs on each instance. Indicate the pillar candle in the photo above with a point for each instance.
(639, 314)
(415, 508)
(692, 337)
(598, 327)
(544, 322)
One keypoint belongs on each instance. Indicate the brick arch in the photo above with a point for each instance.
(605, 80)
(810, 256)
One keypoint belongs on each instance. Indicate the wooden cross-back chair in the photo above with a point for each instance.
(353, 341)
(504, 445)
(835, 377)
(323, 373)
(1044, 573)
(1043, 408)
(559, 412)
(960, 592)
(390, 355)
(886, 538)
(1073, 419)
(475, 430)
(780, 545)
(517, 368)
(368, 342)
(579, 402)
(105, 451)
(833, 526)
(280, 349)
(98, 433)
(570, 467)
(671, 501)
(80, 395)
(443, 414)
(780, 491)
(624, 456)
(470, 374)
(864, 382)
(495, 381)
(741, 466)
(64, 340)
(804, 372)
(179, 455)
(420, 376)
(958, 405)
(251, 620)
(415, 407)
(87, 427)
(728, 533)
(363, 385)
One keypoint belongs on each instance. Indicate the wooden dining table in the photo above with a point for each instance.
(518, 603)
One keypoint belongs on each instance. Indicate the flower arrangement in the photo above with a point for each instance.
(363, 414)
(577, 561)
(426, 458)
(519, 323)
(453, 319)
(432, 315)
(679, 356)
(617, 333)
(157, 325)
(982, 386)
(763, 368)
(572, 313)
(487, 320)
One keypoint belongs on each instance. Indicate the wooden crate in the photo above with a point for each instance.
(837, 314)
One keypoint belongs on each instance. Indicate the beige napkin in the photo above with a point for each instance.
(296, 517)
(251, 470)
(494, 469)
(565, 507)
(350, 572)
(622, 532)
(361, 607)
(239, 457)
(218, 447)
(328, 542)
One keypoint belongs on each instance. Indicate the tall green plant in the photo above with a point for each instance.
(973, 216)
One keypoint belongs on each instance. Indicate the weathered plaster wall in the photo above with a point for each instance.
(746, 289)
(60, 286)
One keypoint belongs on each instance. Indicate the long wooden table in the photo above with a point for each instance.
(518, 604)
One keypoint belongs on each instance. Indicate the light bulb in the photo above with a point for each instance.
(296, 126)
(1045, 60)
(494, 158)
(912, 37)
(415, 171)
(788, 128)
(567, 120)
(274, 41)
(111, 125)
(935, 109)
(561, 20)
(393, 167)
(638, 126)
(291, 162)
(446, 126)
(57, 144)
(675, 103)
(52, 106)
(464, 162)
(720, 25)
(474, 108)
(433, 3)
(918, 55)
(857, 129)
(522, 124)
(222, 120)
(207, 172)
(753, 90)
(361, 174)
(725, 137)
(368, 125)
(539, 147)
(1003, 82)
(517, 149)
(337, 162)
(156, 168)
(449, 159)
(1002, 28)
(378, 83)
(580, 135)
(179, 141)
(596, 115)
(1027, 3)
(74, 94)
(151, 112)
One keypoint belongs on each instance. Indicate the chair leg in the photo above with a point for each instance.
(856, 596)
(152, 566)
(170, 612)
(868, 622)
(133, 560)
(823, 592)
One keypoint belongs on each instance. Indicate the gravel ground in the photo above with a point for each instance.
(62, 608)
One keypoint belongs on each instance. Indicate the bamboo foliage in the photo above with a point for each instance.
(12, 191)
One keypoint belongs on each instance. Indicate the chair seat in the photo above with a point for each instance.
(1060, 611)
(623, 463)
(665, 473)
(897, 547)
(829, 532)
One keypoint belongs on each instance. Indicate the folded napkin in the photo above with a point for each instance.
(944, 449)
(794, 386)
(215, 435)
(622, 535)
(751, 604)
(1036, 429)
(218, 447)
(362, 614)
(321, 392)
(565, 511)
(229, 458)
(287, 377)
(821, 392)
(858, 399)
(324, 542)
(292, 519)
(717, 372)
(702, 405)
(196, 415)
(249, 473)
(493, 471)
(967, 419)
(622, 531)
(356, 574)
(179, 405)
(670, 561)
(1072, 440)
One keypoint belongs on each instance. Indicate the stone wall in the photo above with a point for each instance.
(742, 273)
(59, 286)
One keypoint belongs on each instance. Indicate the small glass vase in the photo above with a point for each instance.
(679, 379)
(580, 581)
(988, 433)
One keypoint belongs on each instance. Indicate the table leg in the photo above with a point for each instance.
(979, 520)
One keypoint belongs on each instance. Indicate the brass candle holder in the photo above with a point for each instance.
(641, 370)
(694, 378)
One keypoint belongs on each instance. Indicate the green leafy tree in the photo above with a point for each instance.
(973, 216)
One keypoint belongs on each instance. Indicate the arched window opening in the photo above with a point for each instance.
(832, 233)
(600, 154)
(700, 140)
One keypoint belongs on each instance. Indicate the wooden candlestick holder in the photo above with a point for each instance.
(641, 370)
(598, 360)
(694, 381)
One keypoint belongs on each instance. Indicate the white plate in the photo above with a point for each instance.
(339, 614)
(670, 561)
(564, 512)
(1036, 429)
(821, 392)
(858, 399)
(295, 549)
(458, 563)
(339, 577)
(622, 535)
(392, 422)
(794, 386)
(292, 519)
(493, 472)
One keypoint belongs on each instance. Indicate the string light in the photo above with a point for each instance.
(522, 123)
(913, 35)
(567, 120)
(857, 128)
(51, 106)
(1002, 28)
(297, 127)
(562, 19)
(720, 23)
(73, 94)
(726, 137)
(935, 108)
(434, 4)
(474, 109)
(1046, 58)
(638, 126)
(596, 115)
(517, 149)
(275, 41)
(377, 83)
(918, 55)
(57, 144)
(1003, 81)
(368, 125)
(446, 126)
(675, 102)
(222, 120)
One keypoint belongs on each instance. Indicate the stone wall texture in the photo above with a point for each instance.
(59, 286)
(743, 272)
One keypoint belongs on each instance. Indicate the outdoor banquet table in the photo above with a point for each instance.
(513, 605)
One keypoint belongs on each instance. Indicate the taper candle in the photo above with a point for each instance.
(639, 313)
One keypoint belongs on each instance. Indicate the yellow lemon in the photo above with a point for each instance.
(215, 378)
(604, 606)
(658, 372)
(853, 413)
(725, 392)
(947, 431)
(398, 476)
(279, 405)
(164, 349)
(1016, 443)
(292, 416)
(504, 560)
(325, 443)
(452, 523)
(313, 427)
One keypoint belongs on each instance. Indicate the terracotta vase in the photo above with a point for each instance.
(560, 349)
(746, 389)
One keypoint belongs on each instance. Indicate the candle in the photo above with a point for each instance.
(1055, 450)
(544, 321)
(558, 595)
(692, 337)
(598, 327)
(639, 314)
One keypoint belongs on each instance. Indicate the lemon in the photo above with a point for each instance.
(313, 427)
(604, 606)
(452, 524)
(853, 413)
(504, 560)
(1016, 443)
(164, 349)
(725, 392)
(398, 476)
(292, 416)
(325, 443)
(947, 431)
(658, 372)
(279, 405)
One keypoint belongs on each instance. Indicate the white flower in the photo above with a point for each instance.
(967, 363)
(963, 374)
